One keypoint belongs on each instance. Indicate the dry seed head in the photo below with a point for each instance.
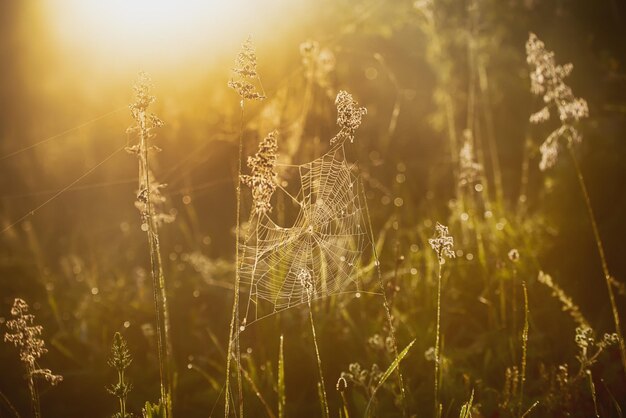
(584, 338)
(143, 99)
(349, 117)
(514, 255)
(442, 243)
(263, 178)
(567, 303)
(26, 337)
(546, 79)
(244, 71)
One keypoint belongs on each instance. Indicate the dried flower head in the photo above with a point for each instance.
(514, 255)
(149, 196)
(547, 81)
(589, 349)
(139, 108)
(442, 243)
(26, 337)
(263, 178)
(567, 303)
(349, 116)
(245, 73)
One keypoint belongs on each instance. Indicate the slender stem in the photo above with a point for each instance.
(605, 268)
(158, 279)
(325, 412)
(258, 393)
(524, 350)
(34, 395)
(437, 359)
(592, 388)
(9, 405)
(235, 312)
(392, 329)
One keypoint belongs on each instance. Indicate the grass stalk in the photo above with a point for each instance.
(34, 394)
(322, 384)
(437, 342)
(9, 405)
(524, 350)
(156, 268)
(282, 399)
(235, 311)
(387, 307)
(600, 246)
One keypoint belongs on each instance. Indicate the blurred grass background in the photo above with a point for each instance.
(81, 259)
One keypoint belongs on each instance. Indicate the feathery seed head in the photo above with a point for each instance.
(244, 71)
(263, 178)
(547, 80)
(26, 337)
(349, 116)
(442, 243)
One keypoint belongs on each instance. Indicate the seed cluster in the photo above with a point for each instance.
(442, 243)
(26, 337)
(546, 80)
(245, 72)
(349, 116)
(263, 178)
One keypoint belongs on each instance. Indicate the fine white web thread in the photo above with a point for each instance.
(324, 244)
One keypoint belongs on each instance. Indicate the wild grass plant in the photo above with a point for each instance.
(149, 201)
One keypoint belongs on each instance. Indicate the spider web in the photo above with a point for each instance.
(316, 257)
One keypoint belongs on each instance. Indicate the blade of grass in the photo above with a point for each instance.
(392, 367)
(282, 399)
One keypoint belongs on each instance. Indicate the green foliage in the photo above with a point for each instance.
(157, 410)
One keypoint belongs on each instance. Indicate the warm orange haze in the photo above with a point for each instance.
(312, 208)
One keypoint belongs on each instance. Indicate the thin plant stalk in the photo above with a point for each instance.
(524, 350)
(9, 405)
(156, 267)
(392, 329)
(282, 399)
(605, 268)
(322, 384)
(235, 312)
(258, 393)
(442, 244)
(34, 394)
(437, 344)
(592, 388)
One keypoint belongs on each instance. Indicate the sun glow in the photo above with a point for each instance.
(144, 32)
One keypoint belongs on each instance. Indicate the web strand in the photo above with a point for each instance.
(319, 254)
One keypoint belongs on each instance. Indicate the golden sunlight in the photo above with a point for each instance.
(143, 32)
